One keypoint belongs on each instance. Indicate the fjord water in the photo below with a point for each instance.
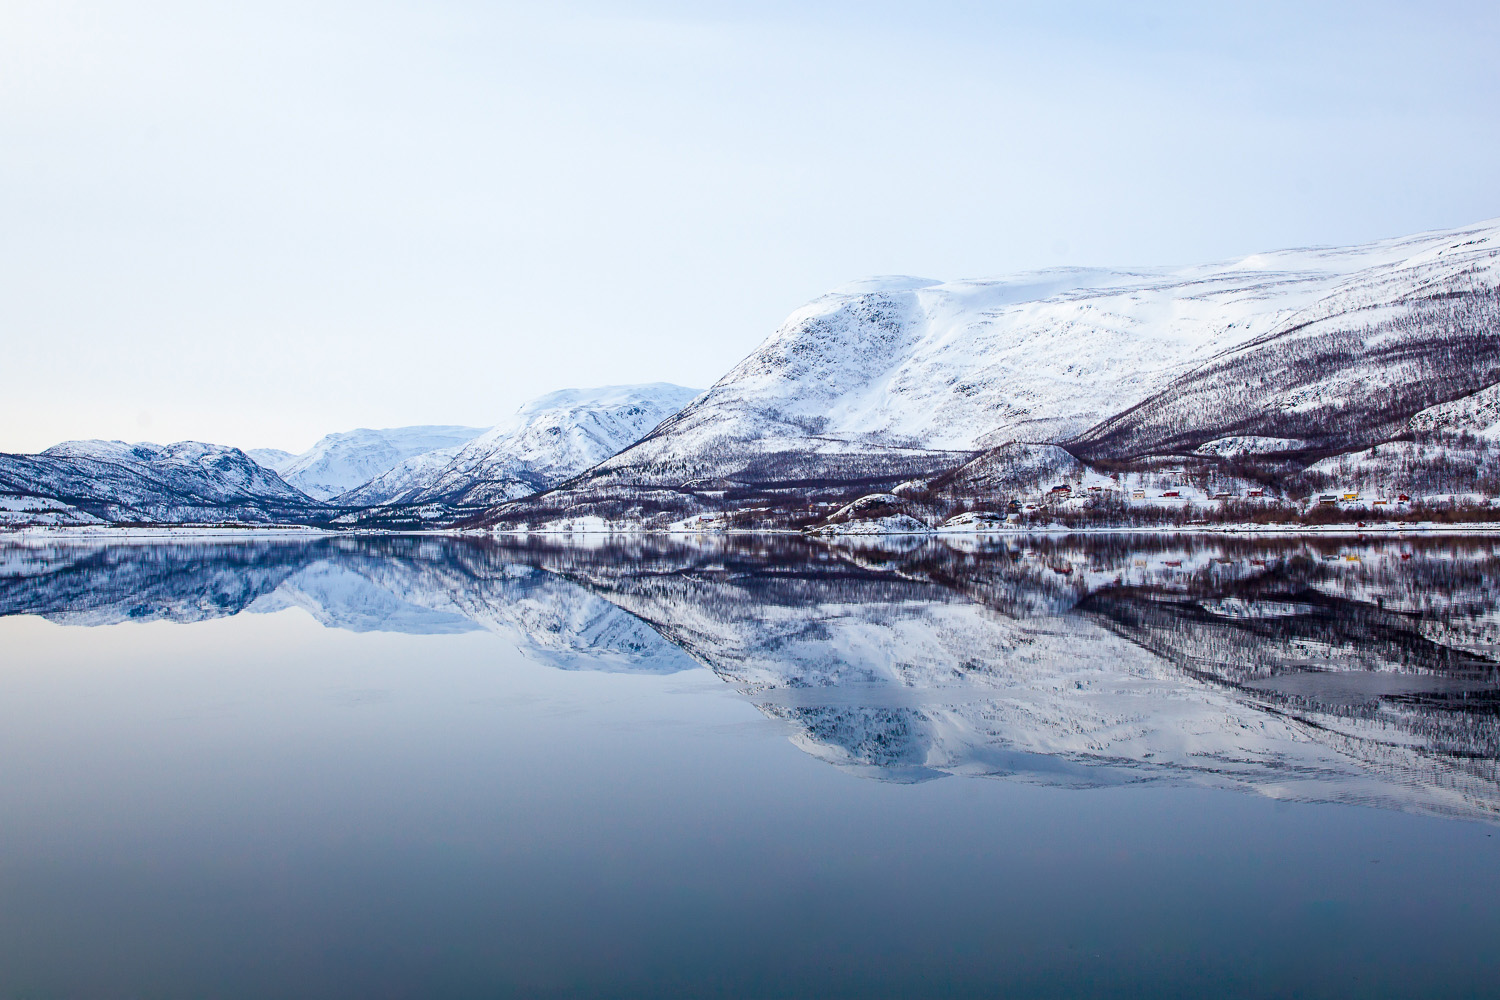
(397, 766)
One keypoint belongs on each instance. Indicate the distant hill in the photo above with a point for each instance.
(90, 482)
(344, 460)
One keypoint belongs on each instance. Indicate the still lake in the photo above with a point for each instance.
(750, 766)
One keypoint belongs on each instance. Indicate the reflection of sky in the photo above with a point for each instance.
(259, 805)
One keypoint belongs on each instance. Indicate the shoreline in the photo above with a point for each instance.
(164, 532)
(169, 532)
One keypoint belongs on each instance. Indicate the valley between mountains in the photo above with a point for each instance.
(1322, 385)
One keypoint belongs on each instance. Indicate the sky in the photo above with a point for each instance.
(254, 224)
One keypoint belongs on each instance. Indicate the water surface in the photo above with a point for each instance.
(403, 766)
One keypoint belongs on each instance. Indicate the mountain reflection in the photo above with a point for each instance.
(1315, 669)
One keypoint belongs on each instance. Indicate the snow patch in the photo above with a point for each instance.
(891, 524)
(1228, 447)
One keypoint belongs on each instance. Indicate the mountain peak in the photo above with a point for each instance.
(549, 439)
(344, 460)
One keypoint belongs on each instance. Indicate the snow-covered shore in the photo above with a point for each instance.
(112, 532)
(905, 527)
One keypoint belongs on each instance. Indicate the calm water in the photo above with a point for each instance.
(450, 767)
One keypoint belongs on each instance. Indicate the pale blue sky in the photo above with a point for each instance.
(255, 223)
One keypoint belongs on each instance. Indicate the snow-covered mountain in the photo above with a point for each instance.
(271, 458)
(405, 482)
(549, 440)
(1038, 357)
(899, 378)
(112, 481)
(344, 460)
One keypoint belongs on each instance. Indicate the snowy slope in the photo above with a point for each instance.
(405, 482)
(1476, 414)
(549, 440)
(271, 458)
(1348, 371)
(347, 459)
(888, 365)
